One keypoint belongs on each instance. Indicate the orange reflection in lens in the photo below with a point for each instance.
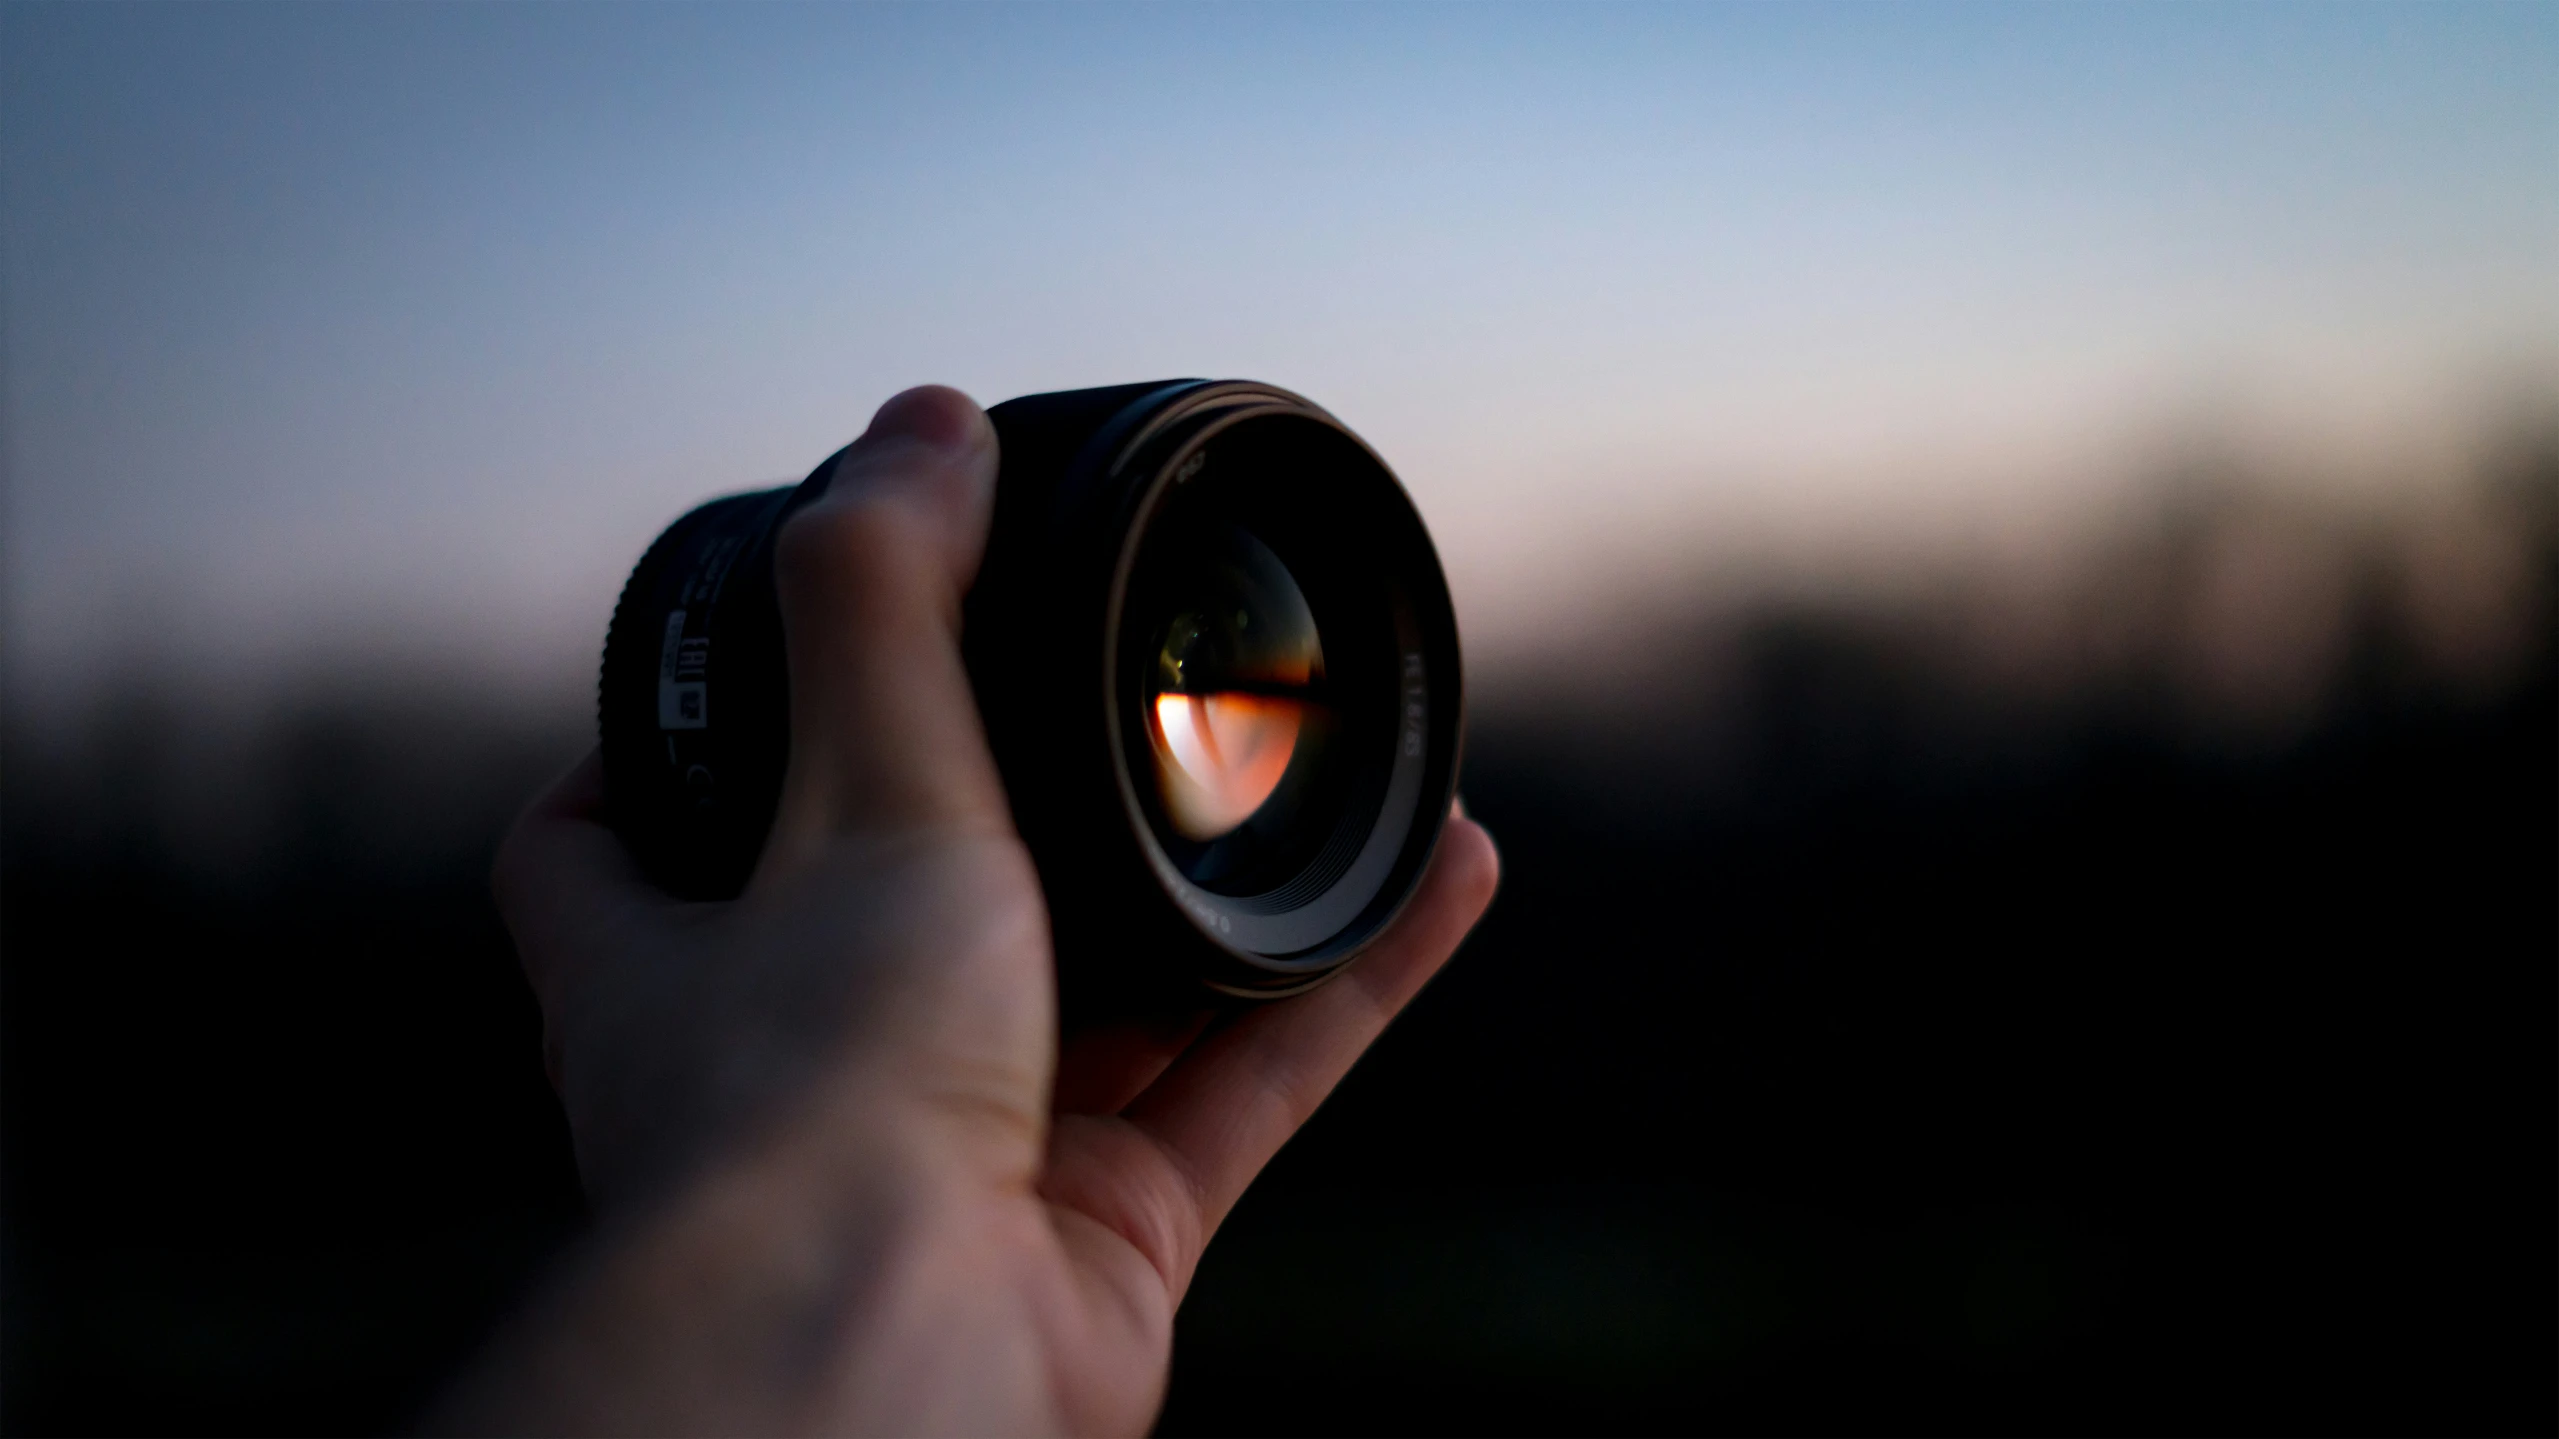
(1218, 756)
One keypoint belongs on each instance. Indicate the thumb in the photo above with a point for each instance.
(885, 735)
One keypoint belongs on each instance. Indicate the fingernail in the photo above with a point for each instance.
(931, 414)
(931, 444)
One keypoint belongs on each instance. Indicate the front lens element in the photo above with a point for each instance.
(1234, 696)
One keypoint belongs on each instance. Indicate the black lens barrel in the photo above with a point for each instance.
(1095, 487)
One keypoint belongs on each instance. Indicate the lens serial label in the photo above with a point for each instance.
(683, 675)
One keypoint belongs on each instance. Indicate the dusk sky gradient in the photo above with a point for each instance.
(331, 328)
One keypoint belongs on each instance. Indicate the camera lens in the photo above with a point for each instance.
(1234, 705)
(1213, 652)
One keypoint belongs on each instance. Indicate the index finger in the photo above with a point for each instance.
(885, 733)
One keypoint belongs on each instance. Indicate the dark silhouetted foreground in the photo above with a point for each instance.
(1857, 1044)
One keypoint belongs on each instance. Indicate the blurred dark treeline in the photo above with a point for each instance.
(278, 1142)
(2117, 1000)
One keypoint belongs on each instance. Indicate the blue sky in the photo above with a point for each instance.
(407, 325)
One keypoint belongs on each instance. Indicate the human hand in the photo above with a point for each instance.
(845, 1178)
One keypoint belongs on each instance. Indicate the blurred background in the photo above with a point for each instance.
(2007, 557)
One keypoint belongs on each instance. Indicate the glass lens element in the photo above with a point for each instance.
(1234, 688)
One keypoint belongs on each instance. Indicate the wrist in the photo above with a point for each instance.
(735, 1299)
